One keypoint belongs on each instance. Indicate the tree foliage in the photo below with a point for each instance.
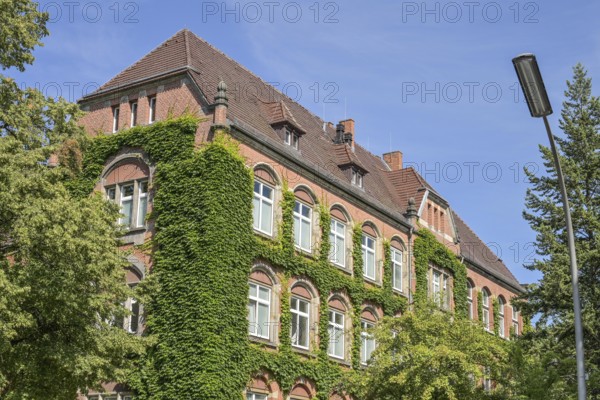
(61, 274)
(430, 355)
(551, 299)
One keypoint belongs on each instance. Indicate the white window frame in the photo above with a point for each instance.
(487, 380)
(365, 338)
(336, 333)
(114, 193)
(152, 110)
(134, 113)
(256, 396)
(261, 201)
(297, 314)
(109, 396)
(470, 299)
(256, 300)
(292, 138)
(357, 177)
(397, 265)
(116, 114)
(515, 321)
(440, 293)
(366, 250)
(501, 323)
(485, 296)
(298, 219)
(337, 255)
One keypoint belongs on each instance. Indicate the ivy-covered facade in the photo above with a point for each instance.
(269, 241)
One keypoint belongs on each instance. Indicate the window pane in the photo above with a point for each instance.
(111, 193)
(252, 316)
(256, 212)
(135, 316)
(264, 293)
(303, 306)
(397, 277)
(126, 190)
(303, 332)
(305, 240)
(267, 192)
(142, 209)
(253, 290)
(257, 186)
(126, 206)
(266, 217)
(263, 320)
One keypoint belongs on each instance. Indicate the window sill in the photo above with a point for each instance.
(341, 268)
(263, 341)
(341, 361)
(264, 234)
(304, 352)
(399, 292)
(371, 281)
(305, 253)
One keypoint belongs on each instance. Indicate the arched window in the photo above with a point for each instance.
(485, 294)
(337, 237)
(303, 220)
(263, 202)
(470, 298)
(126, 184)
(368, 344)
(302, 391)
(261, 299)
(396, 256)
(337, 326)
(262, 388)
(302, 308)
(369, 252)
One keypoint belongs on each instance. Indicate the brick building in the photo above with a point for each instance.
(323, 165)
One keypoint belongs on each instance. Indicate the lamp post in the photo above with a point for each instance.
(532, 84)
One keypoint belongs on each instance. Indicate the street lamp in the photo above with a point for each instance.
(532, 84)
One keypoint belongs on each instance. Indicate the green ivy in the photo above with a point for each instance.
(428, 250)
(203, 251)
(496, 315)
(480, 306)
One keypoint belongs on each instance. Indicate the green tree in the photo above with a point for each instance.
(61, 273)
(430, 354)
(551, 299)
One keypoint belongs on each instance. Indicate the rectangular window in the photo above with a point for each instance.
(367, 342)
(515, 321)
(302, 226)
(439, 290)
(151, 109)
(142, 203)
(501, 332)
(357, 178)
(259, 309)
(486, 310)
(291, 138)
(133, 319)
(396, 256)
(368, 253)
(134, 112)
(255, 396)
(337, 238)
(263, 208)
(470, 299)
(126, 204)
(115, 113)
(336, 334)
(300, 323)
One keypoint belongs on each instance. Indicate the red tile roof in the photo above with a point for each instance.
(259, 105)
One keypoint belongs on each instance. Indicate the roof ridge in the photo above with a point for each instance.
(257, 77)
(156, 48)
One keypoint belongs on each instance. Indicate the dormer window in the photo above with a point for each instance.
(291, 138)
(357, 178)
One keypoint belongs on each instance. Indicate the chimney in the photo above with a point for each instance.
(339, 134)
(221, 104)
(348, 131)
(393, 160)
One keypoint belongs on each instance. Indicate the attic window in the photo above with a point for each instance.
(357, 178)
(291, 138)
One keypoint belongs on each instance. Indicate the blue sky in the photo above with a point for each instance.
(432, 79)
